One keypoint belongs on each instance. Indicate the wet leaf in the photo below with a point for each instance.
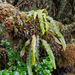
(22, 52)
(33, 48)
(27, 42)
(40, 17)
(30, 13)
(46, 23)
(23, 49)
(57, 40)
(55, 27)
(63, 43)
(37, 51)
(44, 11)
(29, 62)
(35, 14)
(50, 53)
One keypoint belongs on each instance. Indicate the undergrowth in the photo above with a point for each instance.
(17, 67)
(16, 25)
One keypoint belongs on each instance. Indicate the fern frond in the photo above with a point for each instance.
(30, 13)
(40, 17)
(46, 23)
(23, 49)
(27, 42)
(57, 32)
(29, 62)
(55, 27)
(22, 52)
(50, 53)
(37, 50)
(33, 48)
(63, 43)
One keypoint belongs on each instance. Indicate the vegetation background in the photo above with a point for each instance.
(63, 11)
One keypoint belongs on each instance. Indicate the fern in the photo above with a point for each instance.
(50, 53)
(30, 13)
(61, 38)
(40, 17)
(37, 50)
(63, 43)
(22, 52)
(23, 49)
(29, 63)
(33, 48)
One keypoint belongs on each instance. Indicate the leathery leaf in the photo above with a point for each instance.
(35, 14)
(29, 62)
(27, 42)
(50, 53)
(33, 48)
(30, 13)
(57, 32)
(22, 52)
(46, 23)
(37, 51)
(55, 27)
(40, 17)
(56, 40)
(23, 49)
(63, 43)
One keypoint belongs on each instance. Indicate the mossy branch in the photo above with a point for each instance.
(16, 25)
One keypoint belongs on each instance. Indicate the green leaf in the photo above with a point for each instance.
(50, 53)
(37, 51)
(16, 73)
(5, 73)
(55, 27)
(63, 43)
(33, 48)
(22, 52)
(35, 14)
(28, 18)
(44, 10)
(40, 17)
(27, 42)
(23, 49)
(29, 63)
(47, 24)
(30, 13)
(0, 72)
(57, 40)
(58, 33)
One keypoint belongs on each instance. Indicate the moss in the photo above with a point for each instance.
(3, 58)
(67, 56)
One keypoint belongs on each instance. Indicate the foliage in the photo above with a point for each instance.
(6, 72)
(17, 67)
(47, 26)
(5, 42)
(44, 68)
(32, 51)
(49, 51)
